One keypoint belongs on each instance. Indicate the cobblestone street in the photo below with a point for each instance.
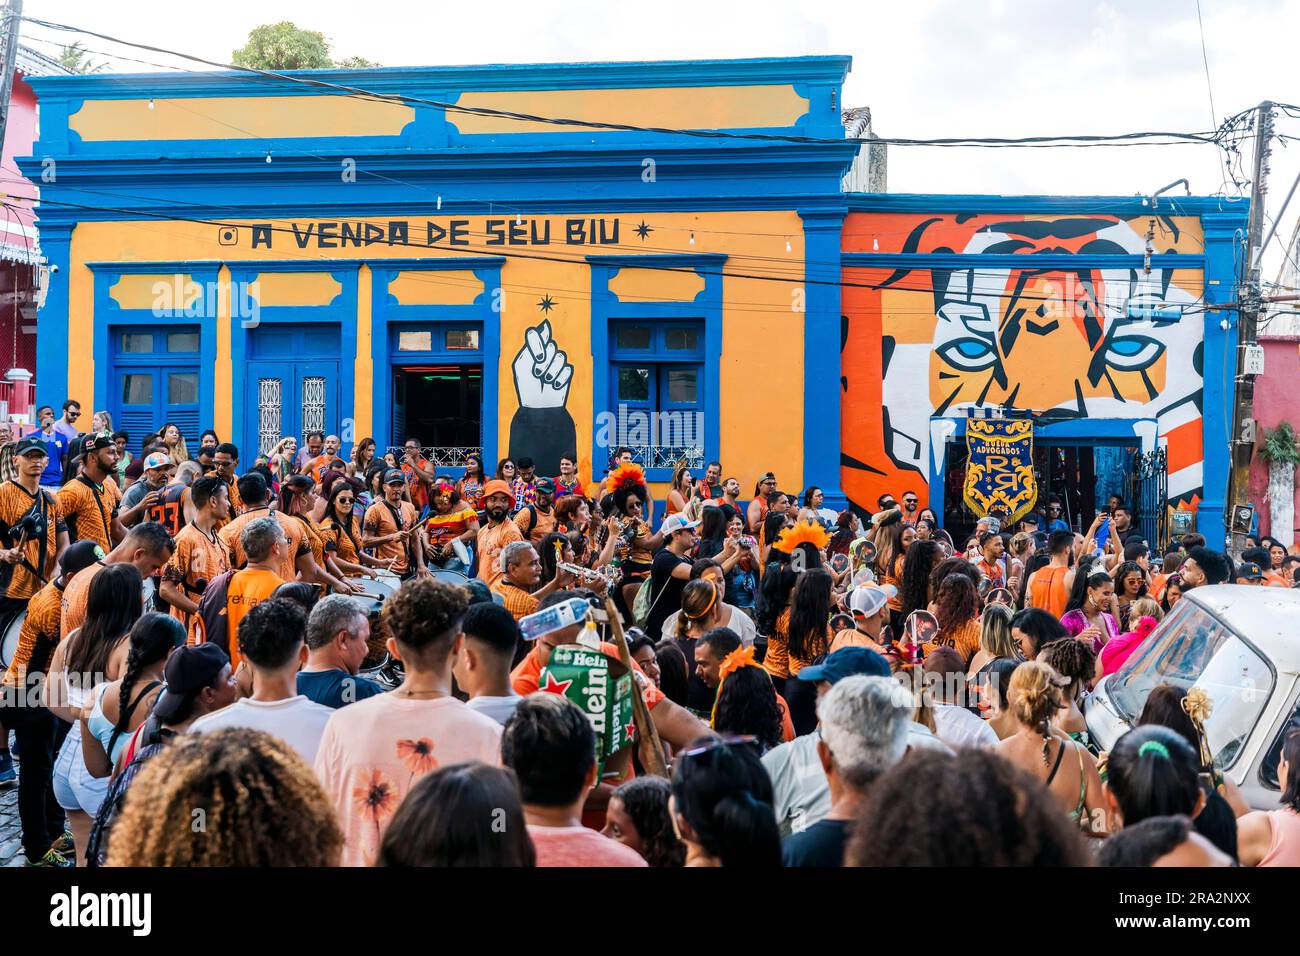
(11, 847)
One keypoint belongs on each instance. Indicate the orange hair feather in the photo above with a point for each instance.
(804, 531)
(629, 473)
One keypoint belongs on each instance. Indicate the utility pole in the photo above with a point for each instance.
(1243, 419)
(13, 16)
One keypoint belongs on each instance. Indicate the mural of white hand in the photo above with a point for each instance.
(542, 371)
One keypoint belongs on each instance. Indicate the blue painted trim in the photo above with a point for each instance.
(342, 311)
(52, 337)
(1224, 238)
(606, 307)
(976, 261)
(502, 76)
(109, 315)
(1071, 205)
(821, 354)
(385, 310)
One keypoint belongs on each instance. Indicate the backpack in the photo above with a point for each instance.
(212, 620)
(642, 605)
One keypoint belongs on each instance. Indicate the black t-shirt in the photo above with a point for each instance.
(821, 845)
(665, 590)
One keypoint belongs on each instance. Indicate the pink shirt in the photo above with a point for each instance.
(1284, 848)
(374, 750)
(578, 846)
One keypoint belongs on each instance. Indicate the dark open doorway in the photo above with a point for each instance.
(441, 405)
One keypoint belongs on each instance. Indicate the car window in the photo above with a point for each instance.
(1268, 769)
(1193, 648)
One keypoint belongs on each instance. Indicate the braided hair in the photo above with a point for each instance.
(152, 639)
(1072, 659)
(260, 804)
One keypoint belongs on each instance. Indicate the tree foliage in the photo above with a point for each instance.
(285, 46)
(73, 57)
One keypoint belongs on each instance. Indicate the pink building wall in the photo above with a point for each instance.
(1277, 399)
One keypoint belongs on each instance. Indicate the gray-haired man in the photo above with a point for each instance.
(338, 631)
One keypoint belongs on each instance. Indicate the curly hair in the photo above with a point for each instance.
(980, 811)
(425, 615)
(1072, 659)
(948, 567)
(645, 799)
(747, 704)
(917, 565)
(955, 603)
(235, 797)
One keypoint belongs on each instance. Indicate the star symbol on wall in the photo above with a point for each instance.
(554, 686)
(643, 231)
(546, 303)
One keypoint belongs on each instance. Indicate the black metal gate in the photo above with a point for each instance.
(1149, 493)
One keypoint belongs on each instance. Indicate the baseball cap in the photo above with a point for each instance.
(394, 476)
(1249, 571)
(868, 599)
(1030, 519)
(79, 556)
(30, 444)
(188, 671)
(98, 441)
(674, 523)
(545, 486)
(156, 460)
(846, 662)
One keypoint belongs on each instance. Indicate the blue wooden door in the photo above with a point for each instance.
(290, 398)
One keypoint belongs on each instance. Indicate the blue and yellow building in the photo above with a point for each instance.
(269, 257)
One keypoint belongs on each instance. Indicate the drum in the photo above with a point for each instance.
(383, 586)
(9, 630)
(450, 577)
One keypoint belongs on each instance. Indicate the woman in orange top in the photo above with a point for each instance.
(803, 630)
(680, 492)
(340, 535)
(957, 609)
(297, 497)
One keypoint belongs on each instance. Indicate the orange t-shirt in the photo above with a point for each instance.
(75, 595)
(517, 601)
(40, 626)
(379, 521)
(339, 541)
(247, 589)
(16, 501)
(526, 677)
(236, 503)
(197, 558)
(852, 637)
(88, 509)
(293, 531)
(965, 640)
(491, 542)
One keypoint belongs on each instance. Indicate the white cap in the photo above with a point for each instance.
(674, 523)
(868, 599)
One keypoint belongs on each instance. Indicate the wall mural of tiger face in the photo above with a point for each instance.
(1074, 343)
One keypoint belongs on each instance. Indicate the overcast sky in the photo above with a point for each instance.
(927, 68)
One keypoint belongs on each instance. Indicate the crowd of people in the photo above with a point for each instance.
(322, 659)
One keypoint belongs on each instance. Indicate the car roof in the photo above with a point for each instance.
(1269, 617)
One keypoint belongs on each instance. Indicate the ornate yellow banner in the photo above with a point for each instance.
(1000, 468)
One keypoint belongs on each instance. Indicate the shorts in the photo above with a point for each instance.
(74, 787)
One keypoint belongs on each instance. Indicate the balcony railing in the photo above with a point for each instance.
(443, 456)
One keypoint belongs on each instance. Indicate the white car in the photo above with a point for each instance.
(1241, 645)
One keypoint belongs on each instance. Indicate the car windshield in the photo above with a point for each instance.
(1193, 648)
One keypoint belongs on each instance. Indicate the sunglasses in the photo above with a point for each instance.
(345, 501)
(739, 740)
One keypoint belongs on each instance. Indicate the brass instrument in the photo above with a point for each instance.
(587, 574)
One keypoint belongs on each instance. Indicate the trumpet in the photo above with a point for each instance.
(587, 574)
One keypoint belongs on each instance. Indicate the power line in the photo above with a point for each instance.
(1166, 138)
(1206, 60)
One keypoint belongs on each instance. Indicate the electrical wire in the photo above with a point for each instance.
(1071, 140)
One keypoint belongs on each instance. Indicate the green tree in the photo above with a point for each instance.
(74, 58)
(285, 46)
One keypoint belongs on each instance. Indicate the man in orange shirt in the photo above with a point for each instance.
(391, 529)
(497, 532)
(200, 556)
(318, 465)
(264, 542)
(32, 530)
(419, 476)
(256, 495)
(89, 501)
(148, 546)
(522, 570)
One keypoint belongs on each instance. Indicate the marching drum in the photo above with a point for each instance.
(450, 577)
(11, 627)
(382, 587)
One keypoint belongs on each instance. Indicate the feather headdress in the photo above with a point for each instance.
(625, 475)
(804, 531)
